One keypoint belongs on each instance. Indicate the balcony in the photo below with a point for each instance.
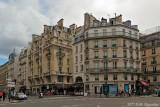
(153, 62)
(152, 72)
(124, 45)
(96, 46)
(96, 57)
(144, 63)
(60, 54)
(125, 56)
(36, 76)
(130, 46)
(113, 69)
(46, 73)
(113, 45)
(104, 45)
(114, 56)
(60, 64)
(104, 56)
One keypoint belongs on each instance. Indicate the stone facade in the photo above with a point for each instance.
(150, 53)
(3, 76)
(50, 59)
(106, 51)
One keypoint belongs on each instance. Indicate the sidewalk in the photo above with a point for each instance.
(7, 101)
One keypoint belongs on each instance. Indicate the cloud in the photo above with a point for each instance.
(20, 19)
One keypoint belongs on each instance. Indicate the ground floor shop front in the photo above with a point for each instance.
(111, 87)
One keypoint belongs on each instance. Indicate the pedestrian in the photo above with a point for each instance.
(4, 95)
(48, 93)
(0, 95)
(90, 92)
(156, 90)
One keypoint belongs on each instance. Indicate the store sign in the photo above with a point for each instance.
(113, 89)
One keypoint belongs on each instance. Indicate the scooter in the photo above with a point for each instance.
(40, 95)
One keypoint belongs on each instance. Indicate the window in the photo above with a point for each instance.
(129, 33)
(123, 32)
(67, 61)
(68, 79)
(60, 41)
(132, 77)
(105, 54)
(154, 69)
(60, 69)
(113, 31)
(144, 62)
(113, 42)
(105, 65)
(114, 65)
(153, 60)
(58, 33)
(124, 43)
(114, 76)
(130, 44)
(131, 65)
(60, 60)
(60, 78)
(76, 49)
(81, 57)
(104, 43)
(81, 47)
(96, 54)
(96, 77)
(153, 43)
(86, 34)
(143, 53)
(137, 55)
(125, 76)
(48, 79)
(96, 44)
(153, 51)
(68, 70)
(106, 77)
(95, 24)
(87, 66)
(81, 67)
(96, 65)
(87, 78)
(95, 33)
(76, 68)
(87, 45)
(66, 37)
(136, 35)
(104, 32)
(76, 58)
(125, 54)
(154, 78)
(131, 54)
(125, 65)
(67, 52)
(114, 53)
(136, 45)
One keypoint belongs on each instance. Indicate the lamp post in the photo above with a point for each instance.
(106, 83)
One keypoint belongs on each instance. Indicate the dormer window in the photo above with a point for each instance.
(58, 33)
(66, 37)
(95, 23)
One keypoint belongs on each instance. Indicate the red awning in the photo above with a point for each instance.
(144, 83)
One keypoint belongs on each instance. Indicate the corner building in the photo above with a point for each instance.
(106, 52)
(50, 59)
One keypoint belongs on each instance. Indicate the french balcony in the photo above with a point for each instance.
(124, 45)
(60, 54)
(96, 46)
(104, 45)
(130, 46)
(153, 62)
(113, 45)
(125, 56)
(60, 64)
(96, 57)
(104, 56)
(144, 63)
(46, 73)
(114, 56)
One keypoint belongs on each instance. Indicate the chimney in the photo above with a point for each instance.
(60, 23)
(88, 20)
(72, 27)
(119, 19)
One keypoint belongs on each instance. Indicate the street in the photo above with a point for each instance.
(77, 101)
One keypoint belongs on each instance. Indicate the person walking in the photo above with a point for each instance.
(4, 95)
(0, 95)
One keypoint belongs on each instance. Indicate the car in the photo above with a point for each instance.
(20, 96)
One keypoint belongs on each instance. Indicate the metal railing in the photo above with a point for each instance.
(60, 54)
(151, 72)
(112, 69)
(150, 45)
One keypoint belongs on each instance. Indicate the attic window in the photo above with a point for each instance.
(95, 24)
(58, 33)
(66, 37)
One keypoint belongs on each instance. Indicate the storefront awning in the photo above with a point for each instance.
(144, 83)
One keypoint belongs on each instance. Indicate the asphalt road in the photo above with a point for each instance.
(85, 102)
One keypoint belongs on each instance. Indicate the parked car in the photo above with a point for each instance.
(20, 96)
(13, 94)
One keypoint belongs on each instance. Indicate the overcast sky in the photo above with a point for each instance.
(19, 19)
